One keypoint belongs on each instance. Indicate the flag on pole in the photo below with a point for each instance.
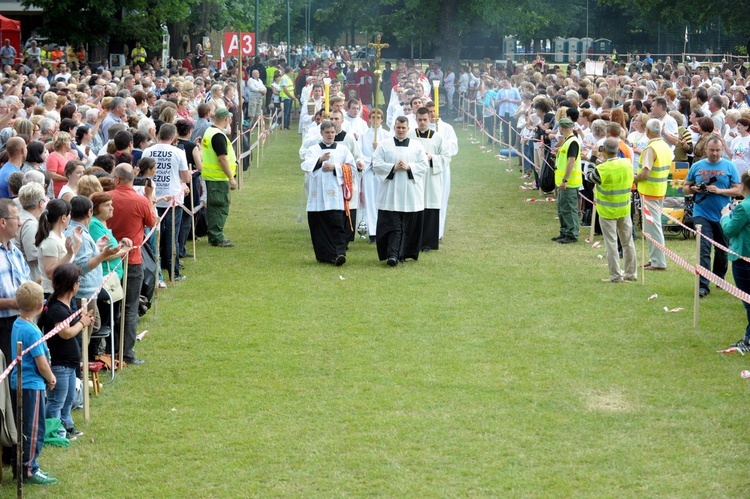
(222, 60)
(686, 34)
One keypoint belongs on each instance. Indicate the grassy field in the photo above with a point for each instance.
(499, 365)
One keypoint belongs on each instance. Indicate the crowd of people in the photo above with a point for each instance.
(614, 137)
(91, 162)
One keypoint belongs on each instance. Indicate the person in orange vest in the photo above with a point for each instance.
(56, 55)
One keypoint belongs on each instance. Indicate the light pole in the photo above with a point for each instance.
(288, 35)
(587, 18)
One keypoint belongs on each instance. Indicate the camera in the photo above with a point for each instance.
(703, 186)
(142, 181)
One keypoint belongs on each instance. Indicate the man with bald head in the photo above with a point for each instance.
(16, 148)
(132, 213)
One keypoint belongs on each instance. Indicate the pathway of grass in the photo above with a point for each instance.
(499, 365)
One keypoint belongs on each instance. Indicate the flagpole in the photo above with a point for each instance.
(684, 46)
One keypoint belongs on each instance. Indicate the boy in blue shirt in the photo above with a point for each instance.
(37, 377)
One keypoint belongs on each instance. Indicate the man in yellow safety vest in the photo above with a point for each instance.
(568, 179)
(138, 54)
(613, 180)
(219, 169)
(652, 178)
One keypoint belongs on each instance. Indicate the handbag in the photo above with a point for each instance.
(114, 288)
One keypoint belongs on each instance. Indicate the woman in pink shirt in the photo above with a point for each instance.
(58, 159)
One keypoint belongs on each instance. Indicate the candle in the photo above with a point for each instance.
(327, 85)
(436, 86)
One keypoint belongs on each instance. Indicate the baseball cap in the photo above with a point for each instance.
(222, 112)
(565, 123)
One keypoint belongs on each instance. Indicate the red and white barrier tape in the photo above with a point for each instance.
(718, 281)
(703, 236)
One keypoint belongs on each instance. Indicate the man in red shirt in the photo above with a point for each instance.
(132, 213)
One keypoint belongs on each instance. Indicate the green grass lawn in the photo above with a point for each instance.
(497, 366)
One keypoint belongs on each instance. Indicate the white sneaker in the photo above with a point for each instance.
(162, 284)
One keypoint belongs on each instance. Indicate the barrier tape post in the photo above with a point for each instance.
(157, 260)
(123, 310)
(257, 153)
(240, 180)
(19, 419)
(696, 296)
(85, 354)
(173, 244)
(192, 209)
(643, 241)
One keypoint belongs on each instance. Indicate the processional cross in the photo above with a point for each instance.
(377, 46)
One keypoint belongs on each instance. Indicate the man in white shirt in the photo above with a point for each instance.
(357, 125)
(325, 203)
(171, 173)
(401, 165)
(255, 94)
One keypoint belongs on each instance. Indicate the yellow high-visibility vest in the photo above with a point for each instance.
(211, 168)
(561, 162)
(613, 194)
(656, 183)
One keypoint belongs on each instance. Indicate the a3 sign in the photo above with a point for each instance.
(236, 42)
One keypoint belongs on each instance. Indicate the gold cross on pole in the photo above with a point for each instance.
(377, 46)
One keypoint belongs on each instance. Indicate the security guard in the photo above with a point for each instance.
(613, 180)
(652, 178)
(219, 169)
(138, 54)
(568, 179)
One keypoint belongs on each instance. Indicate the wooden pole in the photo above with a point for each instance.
(173, 243)
(643, 241)
(85, 357)
(238, 126)
(19, 419)
(123, 309)
(192, 213)
(157, 259)
(697, 289)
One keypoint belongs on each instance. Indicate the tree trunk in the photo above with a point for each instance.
(447, 40)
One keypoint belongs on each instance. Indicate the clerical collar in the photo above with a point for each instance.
(340, 136)
(401, 142)
(427, 134)
(324, 146)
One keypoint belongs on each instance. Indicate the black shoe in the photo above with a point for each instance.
(226, 243)
(426, 249)
(566, 240)
(340, 260)
(703, 292)
(557, 238)
(392, 261)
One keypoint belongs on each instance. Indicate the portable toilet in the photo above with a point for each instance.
(603, 46)
(509, 46)
(572, 49)
(586, 44)
(558, 47)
